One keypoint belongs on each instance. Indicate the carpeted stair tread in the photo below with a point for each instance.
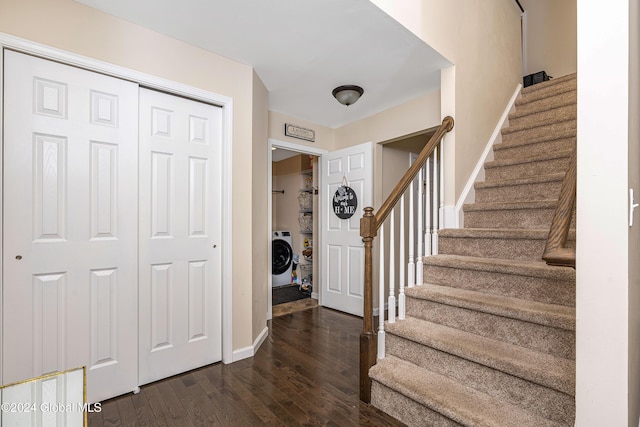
(456, 401)
(524, 148)
(499, 233)
(538, 179)
(557, 316)
(521, 168)
(568, 132)
(532, 159)
(528, 188)
(533, 280)
(547, 95)
(537, 367)
(525, 108)
(550, 130)
(549, 88)
(506, 206)
(505, 266)
(509, 243)
(505, 149)
(544, 117)
(519, 214)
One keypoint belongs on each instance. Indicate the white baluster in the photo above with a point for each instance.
(381, 348)
(402, 263)
(436, 201)
(420, 230)
(441, 167)
(411, 266)
(391, 304)
(428, 209)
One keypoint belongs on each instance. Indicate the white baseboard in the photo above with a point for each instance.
(260, 339)
(314, 295)
(250, 351)
(242, 353)
(468, 193)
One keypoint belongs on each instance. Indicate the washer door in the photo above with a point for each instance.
(282, 256)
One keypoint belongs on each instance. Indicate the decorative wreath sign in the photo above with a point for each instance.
(345, 202)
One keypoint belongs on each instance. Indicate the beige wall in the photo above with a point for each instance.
(70, 26)
(325, 137)
(405, 119)
(287, 207)
(260, 227)
(482, 39)
(550, 36)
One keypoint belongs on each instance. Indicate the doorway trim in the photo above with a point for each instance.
(303, 149)
(152, 82)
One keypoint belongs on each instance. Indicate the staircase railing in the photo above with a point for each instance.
(372, 344)
(555, 251)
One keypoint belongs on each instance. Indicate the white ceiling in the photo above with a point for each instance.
(282, 154)
(301, 49)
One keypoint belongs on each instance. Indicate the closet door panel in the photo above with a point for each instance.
(180, 229)
(70, 224)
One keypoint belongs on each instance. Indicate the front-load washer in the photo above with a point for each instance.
(282, 258)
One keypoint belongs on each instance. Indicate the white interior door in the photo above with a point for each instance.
(70, 224)
(342, 248)
(180, 229)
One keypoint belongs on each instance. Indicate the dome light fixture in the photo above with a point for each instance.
(347, 94)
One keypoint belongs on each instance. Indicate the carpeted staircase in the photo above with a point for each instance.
(489, 338)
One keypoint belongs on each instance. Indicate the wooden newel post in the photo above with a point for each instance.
(368, 339)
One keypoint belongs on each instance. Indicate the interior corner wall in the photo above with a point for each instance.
(482, 39)
(260, 228)
(75, 28)
(551, 37)
(604, 324)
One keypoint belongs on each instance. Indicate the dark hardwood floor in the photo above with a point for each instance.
(304, 374)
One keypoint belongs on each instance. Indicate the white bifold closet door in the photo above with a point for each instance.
(111, 228)
(180, 227)
(70, 270)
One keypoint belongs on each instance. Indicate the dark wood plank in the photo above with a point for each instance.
(144, 414)
(306, 373)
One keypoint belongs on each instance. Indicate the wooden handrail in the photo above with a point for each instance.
(405, 181)
(555, 252)
(369, 225)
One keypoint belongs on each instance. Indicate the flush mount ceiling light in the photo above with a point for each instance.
(348, 94)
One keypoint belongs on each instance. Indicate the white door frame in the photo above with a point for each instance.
(175, 88)
(304, 149)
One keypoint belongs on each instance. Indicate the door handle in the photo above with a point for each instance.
(18, 257)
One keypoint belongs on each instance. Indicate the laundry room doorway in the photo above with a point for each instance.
(293, 218)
